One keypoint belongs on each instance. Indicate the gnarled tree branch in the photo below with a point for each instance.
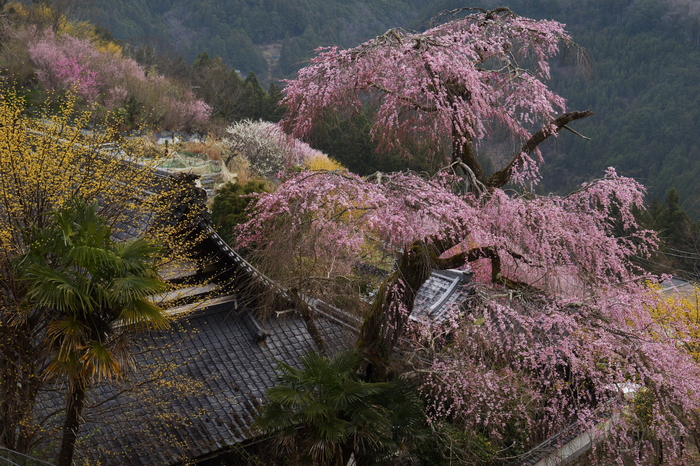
(502, 177)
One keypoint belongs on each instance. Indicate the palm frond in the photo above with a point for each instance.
(274, 419)
(92, 256)
(333, 411)
(67, 332)
(289, 396)
(137, 249)
(122, 352)
(352, 391)
(56, 289)
(143, 313)
(136, 287)
(315, 413)
(99, 361)
(66, 363)
(332, 430)
(345, 362)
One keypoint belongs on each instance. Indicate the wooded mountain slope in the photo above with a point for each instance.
(252, 35)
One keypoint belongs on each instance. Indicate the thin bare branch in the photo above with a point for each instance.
(502, 177)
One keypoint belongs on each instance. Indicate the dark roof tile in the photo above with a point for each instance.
(231, 372)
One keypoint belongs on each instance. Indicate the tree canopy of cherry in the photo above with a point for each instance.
(558, 327)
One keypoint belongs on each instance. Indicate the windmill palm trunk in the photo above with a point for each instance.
(74, 409)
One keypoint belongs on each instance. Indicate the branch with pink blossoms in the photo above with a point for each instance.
(435, 86)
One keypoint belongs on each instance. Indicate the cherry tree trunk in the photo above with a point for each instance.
(386, 321)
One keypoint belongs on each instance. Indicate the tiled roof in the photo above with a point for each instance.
(230, 357)
(444, 291)
(220, 372)
(221, 360)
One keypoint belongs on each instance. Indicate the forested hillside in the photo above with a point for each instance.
(45, 55)
(260, 36)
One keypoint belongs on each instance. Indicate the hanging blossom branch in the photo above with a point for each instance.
(434, 86)
(559, 320)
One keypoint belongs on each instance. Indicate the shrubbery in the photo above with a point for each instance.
(71, 59)
(230, 203)
(269, 150)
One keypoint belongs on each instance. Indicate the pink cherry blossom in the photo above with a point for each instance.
(557, 326)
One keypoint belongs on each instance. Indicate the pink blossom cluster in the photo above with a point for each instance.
(333, 198)
(65, 66)
(566, 244)
(543, 364)
(449, 83)
(528, 362)
(115, 97)
(64, 62)
(189, 112)
(348, 210)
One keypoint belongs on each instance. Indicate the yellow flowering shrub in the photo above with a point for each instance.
(678, 312)
(45, 162)
(43, 15)
(321, 161)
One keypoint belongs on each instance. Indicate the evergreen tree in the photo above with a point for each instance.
(273, 110)
(256, 97)
(229, 206)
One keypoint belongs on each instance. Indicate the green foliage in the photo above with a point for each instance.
(271, 109)
(449, 444)
(230, 96)
(349, 142)
(75, 270)
(679, 251)
(643, 409)
(673, 223)
(257, 96)
(323, 413)
(229, 206)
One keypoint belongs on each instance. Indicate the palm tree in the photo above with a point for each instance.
(325, 413)
(95, 290)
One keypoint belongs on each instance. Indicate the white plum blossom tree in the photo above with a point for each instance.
(268, 149)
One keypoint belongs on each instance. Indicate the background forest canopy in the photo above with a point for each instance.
(643, 87)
